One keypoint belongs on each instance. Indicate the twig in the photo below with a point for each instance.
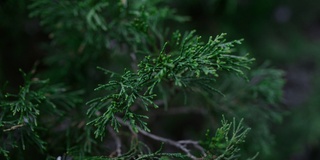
(13, 127)
(178, 144)
(117, 140)
(195, 144)
(134, 61)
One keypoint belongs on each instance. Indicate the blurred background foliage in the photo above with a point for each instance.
(283, 34)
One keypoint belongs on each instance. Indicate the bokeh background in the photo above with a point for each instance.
(284, 34)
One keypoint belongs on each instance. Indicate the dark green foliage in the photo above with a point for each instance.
(20, 113)
(225, 143)
(259, 108)
(192, 63)
(152, 69)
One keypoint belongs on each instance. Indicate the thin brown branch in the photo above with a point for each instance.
(134, 63)
(195, 144)
(116, 139)
(178, 144)
(13, 127)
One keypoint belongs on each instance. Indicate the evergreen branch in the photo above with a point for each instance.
(189, 63)
(224, 145)
(21, 111)
(89, 33)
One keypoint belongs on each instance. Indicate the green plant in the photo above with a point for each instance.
(152, 70)
(224, 145)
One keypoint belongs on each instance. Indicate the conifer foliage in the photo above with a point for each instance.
(111, 68)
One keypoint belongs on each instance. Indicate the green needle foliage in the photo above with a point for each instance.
(21, 112)
(226, 140)
(69, 109)
(189, 63)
